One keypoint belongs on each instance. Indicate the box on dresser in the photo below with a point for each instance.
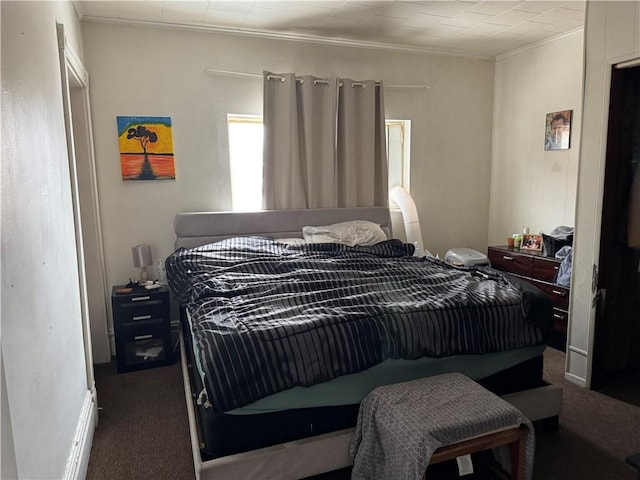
(541, 271)
(142, 326)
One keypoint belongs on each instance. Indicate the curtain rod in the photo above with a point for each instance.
(255, 75)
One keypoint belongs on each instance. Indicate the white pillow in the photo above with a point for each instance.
(355, 232)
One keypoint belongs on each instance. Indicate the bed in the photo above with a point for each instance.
(254, 413)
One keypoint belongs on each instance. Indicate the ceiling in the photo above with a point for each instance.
(469, 27)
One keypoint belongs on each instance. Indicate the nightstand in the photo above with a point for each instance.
(142, 326)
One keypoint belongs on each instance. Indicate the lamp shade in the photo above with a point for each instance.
(142, 255)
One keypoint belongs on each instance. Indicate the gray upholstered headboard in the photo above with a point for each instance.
(199, 228)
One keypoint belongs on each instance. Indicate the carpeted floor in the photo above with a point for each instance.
(596, 434)
(143, 429)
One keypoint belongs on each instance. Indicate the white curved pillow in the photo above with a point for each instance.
(352, 233)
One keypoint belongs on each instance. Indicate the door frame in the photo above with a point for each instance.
(603, 363)
(74, 75)
(586, 258)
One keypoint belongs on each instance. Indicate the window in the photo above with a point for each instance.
(398, 146)
(245, 157)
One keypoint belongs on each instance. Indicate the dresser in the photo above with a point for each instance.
(540, 271)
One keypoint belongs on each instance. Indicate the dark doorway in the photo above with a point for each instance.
(616, 353)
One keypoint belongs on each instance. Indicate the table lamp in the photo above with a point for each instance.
(142, 259)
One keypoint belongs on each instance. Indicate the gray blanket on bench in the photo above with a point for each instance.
(400, 426)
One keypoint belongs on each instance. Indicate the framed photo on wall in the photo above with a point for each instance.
(558, 130)
(532, 242)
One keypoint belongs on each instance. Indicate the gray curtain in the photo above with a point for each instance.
(299, 142)
(361, 145)
(324, 143)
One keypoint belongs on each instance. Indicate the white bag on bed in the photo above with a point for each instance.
(356, 232)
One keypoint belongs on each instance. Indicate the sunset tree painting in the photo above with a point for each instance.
(146, 148)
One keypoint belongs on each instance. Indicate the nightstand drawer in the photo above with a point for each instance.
(142, 349)
(142, 327)
(545, 269)
(132, 313)
(510, 262)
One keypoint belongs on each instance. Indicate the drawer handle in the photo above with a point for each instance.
(508, 259)
(557, 315)
(142, 337)
(142, 317)
(558, 292)
(556, 267)
(137, 299)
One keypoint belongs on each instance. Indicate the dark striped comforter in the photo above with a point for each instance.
(267, 317)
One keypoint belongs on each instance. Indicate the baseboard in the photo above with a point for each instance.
(112, 341)
(570, 377)
(78, 460)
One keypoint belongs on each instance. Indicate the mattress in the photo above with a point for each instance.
(351, 389)
(286, 340)
(268, 317)
(303, 412)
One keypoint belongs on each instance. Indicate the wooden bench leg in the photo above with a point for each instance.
(516, 450)
(514, 438)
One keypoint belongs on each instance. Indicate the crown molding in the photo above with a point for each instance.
(287, 37)
(77, 6)
(531, 46)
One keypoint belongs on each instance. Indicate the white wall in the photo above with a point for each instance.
(42, 342)
(528, 185)
(612, 35)
(160, 72)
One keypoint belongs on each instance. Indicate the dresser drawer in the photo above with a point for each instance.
(560, 320)
(510, 262)
(545, 269)
(558, 295)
